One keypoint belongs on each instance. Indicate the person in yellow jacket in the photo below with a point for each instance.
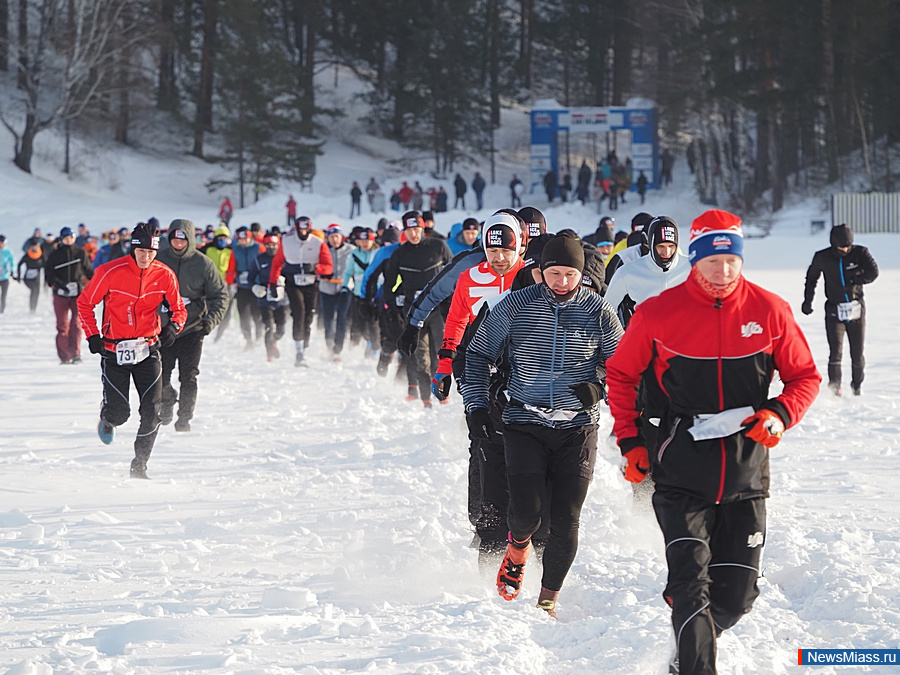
(219, 251)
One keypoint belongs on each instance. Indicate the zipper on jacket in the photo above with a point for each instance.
(553, 357)
(718, 305)
(662, 448)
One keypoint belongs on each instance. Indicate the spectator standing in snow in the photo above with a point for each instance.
(642, 185)
(478, 186)
(378, 205)
(550, 185)
(667, 161)
(516, 188)
(371, 188)
(291, 210)
(846, 267)
(406, 195)
(459, 186)
(418, 197)
(441, 200)
(565, 188)
(395, 200)
(355, 198)
(226, 210)
(711, 344)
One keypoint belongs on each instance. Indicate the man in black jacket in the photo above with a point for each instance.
(846, 267)
(67, 271)
(407, 272)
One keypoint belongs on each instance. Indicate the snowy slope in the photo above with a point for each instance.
(314, 521)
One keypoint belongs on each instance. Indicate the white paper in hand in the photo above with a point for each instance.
(723, 424)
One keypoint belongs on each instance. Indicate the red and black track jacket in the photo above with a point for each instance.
(131, 298)
(708, 356)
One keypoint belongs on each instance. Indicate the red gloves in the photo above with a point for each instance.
(637, 464)
(440, 383)
(764, 427)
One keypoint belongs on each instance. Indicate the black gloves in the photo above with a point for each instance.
(408, 340)
(479, 423)
(167, 334)
(589, 393)
(95, 344)
(807, 308)
(205, 328)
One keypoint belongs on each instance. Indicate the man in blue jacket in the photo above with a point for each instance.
(556, 337)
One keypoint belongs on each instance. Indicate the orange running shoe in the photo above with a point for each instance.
(512, 569)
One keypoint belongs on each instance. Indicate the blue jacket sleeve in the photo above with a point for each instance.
(442, 285)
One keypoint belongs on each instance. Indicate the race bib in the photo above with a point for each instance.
(849, 311)
(70, 290)
(243, 277)
(31, 274)
(304, 279)
(400, 300)
(130, 352)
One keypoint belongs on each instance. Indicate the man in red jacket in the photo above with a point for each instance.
(131, 290)
(712, 345)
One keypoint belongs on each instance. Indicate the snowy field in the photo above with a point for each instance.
(314, 521)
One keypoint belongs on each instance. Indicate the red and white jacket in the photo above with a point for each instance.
(301, 260)
(707, 356)
(475, 286)
(131, 298)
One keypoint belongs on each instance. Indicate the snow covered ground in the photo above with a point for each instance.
(314, 521)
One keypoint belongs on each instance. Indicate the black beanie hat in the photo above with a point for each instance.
(663, 230)
(145, 236)
(841, 235)
(537, 224)
(640, 221)
(391, 235)
(594, 274)
(412, 219)
(565, 251)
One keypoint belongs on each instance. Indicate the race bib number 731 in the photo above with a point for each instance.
(130, 352)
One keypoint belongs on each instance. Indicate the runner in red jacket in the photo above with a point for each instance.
(131, 290)
(712, 345)
(502, 243)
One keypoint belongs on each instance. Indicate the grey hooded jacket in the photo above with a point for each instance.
(202, 286)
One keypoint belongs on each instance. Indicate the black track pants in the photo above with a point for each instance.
(303, 301)
(186, 353)
(713, 553)
(148, 383)
(537, 456)
(856, 335)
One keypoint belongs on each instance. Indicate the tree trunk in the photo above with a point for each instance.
(623, 45)
(494, 60)
(4, 35)
(308, 102)
(203, 117)
(23, 48)
(25, 150)
(526, 39)
(167, 89)
(831, 140)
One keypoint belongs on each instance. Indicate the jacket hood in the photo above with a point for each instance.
(187, 227)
